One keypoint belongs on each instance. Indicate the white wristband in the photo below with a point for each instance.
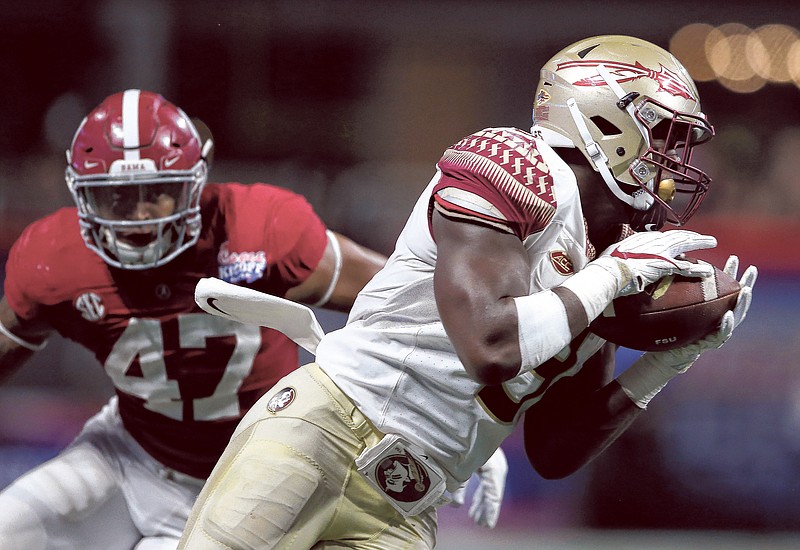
(595, 286)
(645, 378)
(543, 328)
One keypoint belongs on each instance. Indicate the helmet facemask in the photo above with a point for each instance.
(664, 169)
(105, 204)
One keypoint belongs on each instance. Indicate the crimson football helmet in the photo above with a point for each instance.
(633, 111)
(136, 169)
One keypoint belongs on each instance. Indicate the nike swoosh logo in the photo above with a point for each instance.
(210, 302)
(89, 165)
(639, 256)
(170, 162)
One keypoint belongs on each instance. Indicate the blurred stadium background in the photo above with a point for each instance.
(351, 102)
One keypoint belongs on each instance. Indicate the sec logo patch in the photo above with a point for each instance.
(281, 400)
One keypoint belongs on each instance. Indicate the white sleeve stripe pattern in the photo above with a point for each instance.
(470, 201)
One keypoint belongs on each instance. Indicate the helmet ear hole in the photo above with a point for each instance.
(606, 127)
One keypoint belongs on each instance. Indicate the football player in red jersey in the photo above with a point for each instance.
(481, 316)
(117, 275)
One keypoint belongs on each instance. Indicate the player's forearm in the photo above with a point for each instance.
(342, 272)
(559, 445)
(551, 319)
(18, 339)
(359, 265)
(499, 340)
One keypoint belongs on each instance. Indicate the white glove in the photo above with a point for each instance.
(651, 372)
(488, 497)
(682, 358)
(644, 258)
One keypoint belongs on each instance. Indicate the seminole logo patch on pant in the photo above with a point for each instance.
(406, 477)
(281, 400)
(403, 478)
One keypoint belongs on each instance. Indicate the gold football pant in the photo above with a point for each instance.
(287, 479)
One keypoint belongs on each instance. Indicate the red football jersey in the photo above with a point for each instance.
(183, 378)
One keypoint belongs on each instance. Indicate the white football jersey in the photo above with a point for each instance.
(393, 358)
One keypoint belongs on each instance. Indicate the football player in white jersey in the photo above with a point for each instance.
(480, 318)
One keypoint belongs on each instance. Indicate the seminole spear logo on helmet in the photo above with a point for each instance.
(667, 80)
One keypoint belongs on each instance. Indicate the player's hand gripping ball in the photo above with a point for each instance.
(670, 313)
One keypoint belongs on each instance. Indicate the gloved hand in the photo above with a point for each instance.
(651, 372)
(682, 358)
(488, 497)
(644, 258)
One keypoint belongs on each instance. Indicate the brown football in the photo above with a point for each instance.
(670, 313)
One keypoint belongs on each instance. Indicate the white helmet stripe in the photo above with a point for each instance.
(130, 124)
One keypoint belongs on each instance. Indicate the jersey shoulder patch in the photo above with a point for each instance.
(274, 227)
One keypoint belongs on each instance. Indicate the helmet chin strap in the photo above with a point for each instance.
(639, 199)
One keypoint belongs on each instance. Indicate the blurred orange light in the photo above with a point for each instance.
(770, 59)
(725, 48)
(739, 58)
(688, 45)
(793, 62)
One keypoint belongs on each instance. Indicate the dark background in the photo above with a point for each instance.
(351, 103)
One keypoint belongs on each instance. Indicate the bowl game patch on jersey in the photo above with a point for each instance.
(235, 267)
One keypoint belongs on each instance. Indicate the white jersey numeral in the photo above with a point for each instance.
(143, 339)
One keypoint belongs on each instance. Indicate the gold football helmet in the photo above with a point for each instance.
(633, 110)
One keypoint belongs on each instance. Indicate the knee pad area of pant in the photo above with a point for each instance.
(259, 498)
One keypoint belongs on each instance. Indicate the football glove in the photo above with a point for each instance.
(644, 258)
(682, 358)
(651, 372)
(488, 497)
